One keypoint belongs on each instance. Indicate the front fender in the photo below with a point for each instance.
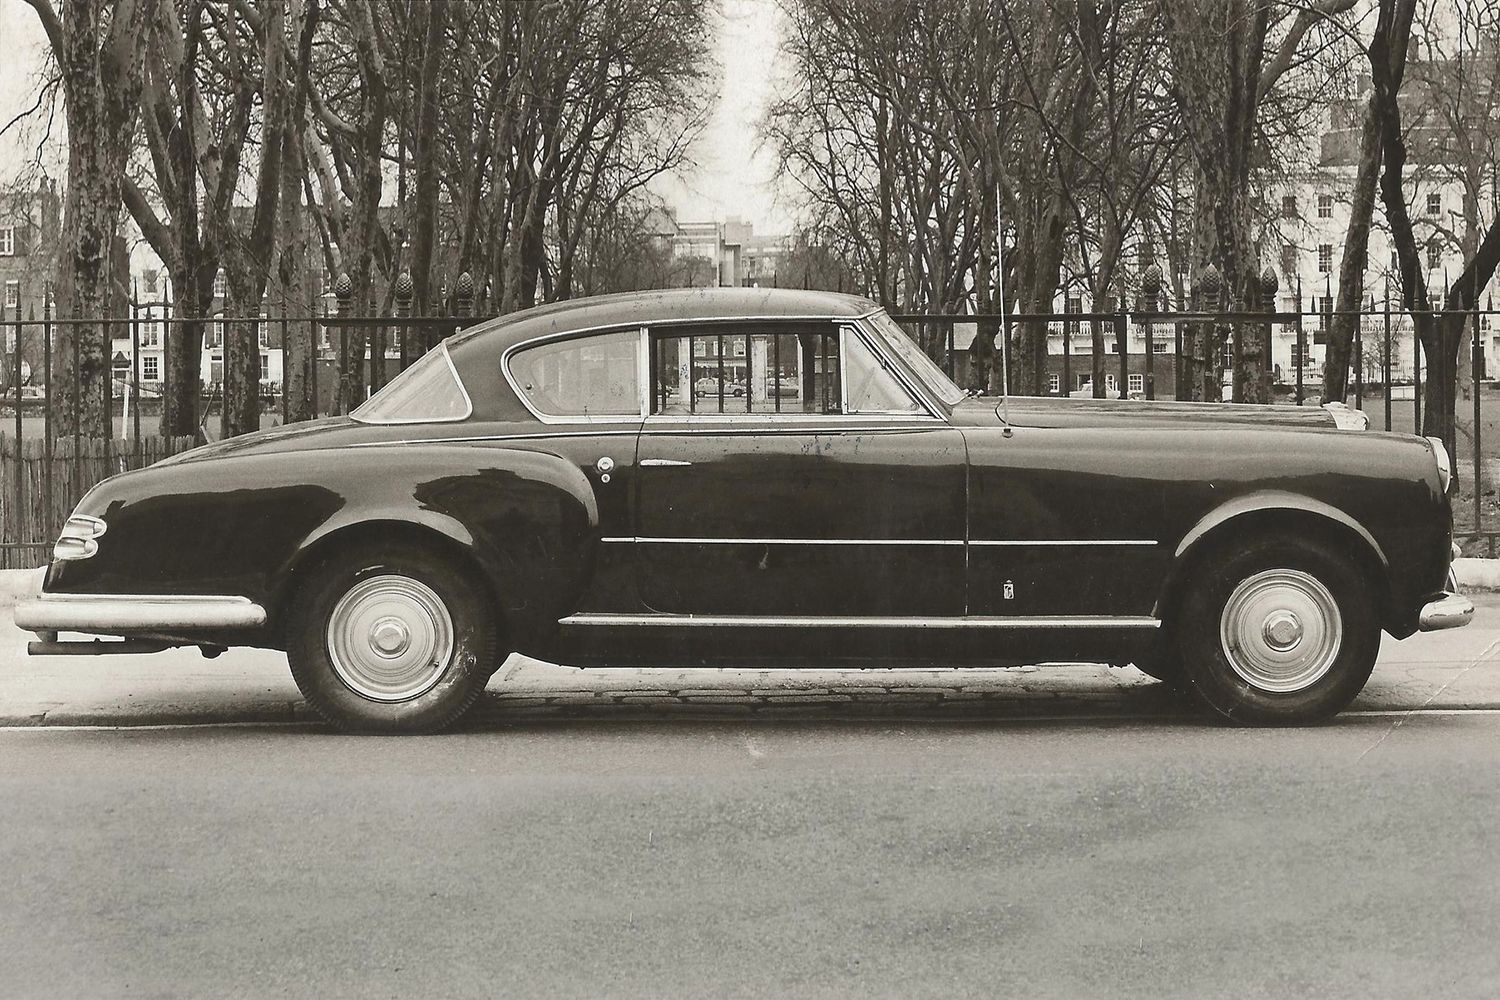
(1274, 500)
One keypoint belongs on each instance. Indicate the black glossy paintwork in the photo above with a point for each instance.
(820, 481)
(528, 501)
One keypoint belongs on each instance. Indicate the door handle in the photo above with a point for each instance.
(659, 463)
(605, 465)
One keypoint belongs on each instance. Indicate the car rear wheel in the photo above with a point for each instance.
(398, 642)
(1278, 632)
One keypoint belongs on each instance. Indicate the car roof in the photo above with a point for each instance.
(675, 305)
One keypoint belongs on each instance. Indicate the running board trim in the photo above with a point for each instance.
(757, 621)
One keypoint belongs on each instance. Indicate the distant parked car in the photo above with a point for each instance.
(711, 387)
(525, 487)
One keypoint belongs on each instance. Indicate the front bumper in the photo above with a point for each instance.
(136, 614)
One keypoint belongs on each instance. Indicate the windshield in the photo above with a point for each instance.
(428, 392)
(916, 359)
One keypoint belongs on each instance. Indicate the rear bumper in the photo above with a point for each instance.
(128, 614)
(1449, 609)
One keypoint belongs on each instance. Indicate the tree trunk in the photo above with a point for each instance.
(427, 164)
(1355, 258)
(102, 71)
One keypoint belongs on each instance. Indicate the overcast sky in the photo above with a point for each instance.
(730, 178)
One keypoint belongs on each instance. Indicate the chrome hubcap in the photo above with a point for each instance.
(1281, 630)
(390, 638)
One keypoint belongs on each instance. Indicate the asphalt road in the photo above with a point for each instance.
(598, 858)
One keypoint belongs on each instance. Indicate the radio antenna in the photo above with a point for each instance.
(1003, 410)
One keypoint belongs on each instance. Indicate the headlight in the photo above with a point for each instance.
(79, 538)
(1445, 472)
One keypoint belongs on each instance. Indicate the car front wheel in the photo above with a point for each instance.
(397, 642)
(1278, 632)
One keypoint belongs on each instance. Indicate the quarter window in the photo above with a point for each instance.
(869, 385)
(427, 392)
(585, 377)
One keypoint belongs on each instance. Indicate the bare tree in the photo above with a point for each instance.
(101, 54)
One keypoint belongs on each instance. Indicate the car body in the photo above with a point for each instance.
(551, 463)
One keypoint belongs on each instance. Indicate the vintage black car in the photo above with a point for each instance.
(551, 483)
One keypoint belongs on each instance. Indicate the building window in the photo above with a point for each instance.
(1288, 259)
(1434, 204)
(1434, 256)
(219, 287)
(1325, 258)
(1325, 206)
(151, 368)
(1159, 347)
(1296, 355)
(1226, 355)
(1137, 383)
(1054, 383)
(150, 276)
(7, 241)
(1082, 380)
(150, 332)
(1288, 206)
(1326, 308)
(265, 368)
(12, 294)
(1109, 382)
(1074, 304)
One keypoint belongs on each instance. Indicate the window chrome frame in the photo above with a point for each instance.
(642, 370)
(927, 414)
(932, 411)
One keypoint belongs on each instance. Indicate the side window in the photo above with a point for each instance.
(736, 370)
(585, 377)
(869, 385)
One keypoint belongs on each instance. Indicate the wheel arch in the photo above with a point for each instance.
(1279, 513)
(423, 528)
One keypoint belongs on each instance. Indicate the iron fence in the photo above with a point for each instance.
(43, 474)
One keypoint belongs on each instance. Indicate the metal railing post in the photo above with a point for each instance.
(1301, 333)
(47, 444)
(343, 290)
(1416, 394)
(1067, 372)
(405, 288)
(1386, 357)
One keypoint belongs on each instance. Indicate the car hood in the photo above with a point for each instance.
(1056, 411)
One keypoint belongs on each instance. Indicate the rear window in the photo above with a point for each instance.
(427, 392)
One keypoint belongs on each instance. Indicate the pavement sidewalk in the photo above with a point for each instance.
(1458, 669)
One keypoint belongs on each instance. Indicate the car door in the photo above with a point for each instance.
(587, 392)
(766, 490)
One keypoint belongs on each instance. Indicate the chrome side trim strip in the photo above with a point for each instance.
(675, 540)
(663, 463)
(1062, 541)
(112, 613)
(757, 621)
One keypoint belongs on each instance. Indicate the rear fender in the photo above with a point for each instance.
(527, 520)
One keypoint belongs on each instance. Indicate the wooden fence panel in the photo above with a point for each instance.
(33, 506)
